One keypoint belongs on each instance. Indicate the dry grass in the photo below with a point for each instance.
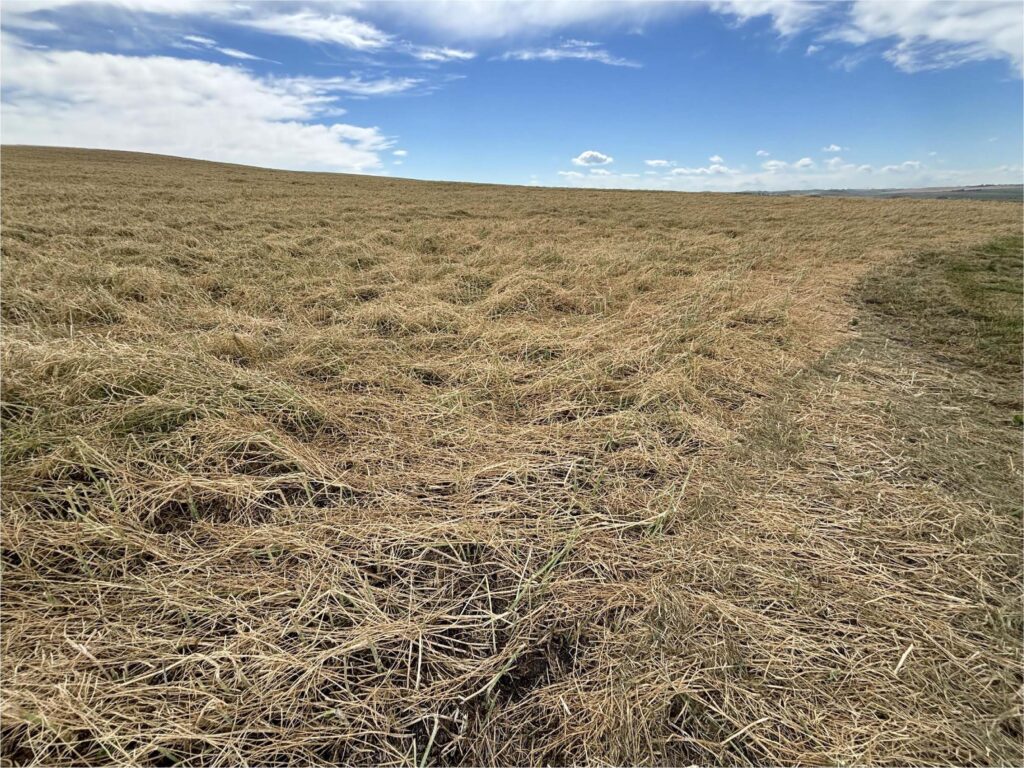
(310, 469)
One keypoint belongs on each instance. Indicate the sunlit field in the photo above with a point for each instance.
(310, 469)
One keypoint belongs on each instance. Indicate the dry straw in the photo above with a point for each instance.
(308, 469)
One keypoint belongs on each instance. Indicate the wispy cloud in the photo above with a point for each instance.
(438, 54)
(199, 41)
(938, 34)
(234, 53)
(569, 50)
(309, 25)
(787, 16)
(913, 36)
(324, 88)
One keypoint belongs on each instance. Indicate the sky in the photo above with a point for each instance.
(724, 95)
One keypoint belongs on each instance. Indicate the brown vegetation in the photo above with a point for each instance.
(315, 469)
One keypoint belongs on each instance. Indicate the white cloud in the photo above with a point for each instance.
(787, 16)
(921, 34)
(716, 159)
(324, 88)
(832, 148)
(715, 169)
(181, 107)
(15, 20)
(600, 172)
(200, 40)
(938, 34)
(234, 53)
(400, 152)
(498, 19)
(763, 153)
(592, 157)
(659, 163)
(804, 163)
(579, 50)
(439, 53)
(307, 25)
(779, 175)
(904, 167)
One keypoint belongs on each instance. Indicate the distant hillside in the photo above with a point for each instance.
(1013, 192)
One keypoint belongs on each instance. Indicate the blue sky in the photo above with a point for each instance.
(730, 95)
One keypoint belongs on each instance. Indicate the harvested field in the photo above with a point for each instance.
(311, 469)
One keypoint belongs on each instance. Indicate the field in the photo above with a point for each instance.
(310, 469)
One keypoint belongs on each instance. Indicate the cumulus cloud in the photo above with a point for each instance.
(717, 159)
(904, 167)
(579, 50)
(835, 173)
(763, 153)
(659, 163)
(715, 169)
(181, 107)
(832, 148)
(813, 49)
(400, 152)
(592, 157)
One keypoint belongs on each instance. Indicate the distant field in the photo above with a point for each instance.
(311, 469)
(1006, 192)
